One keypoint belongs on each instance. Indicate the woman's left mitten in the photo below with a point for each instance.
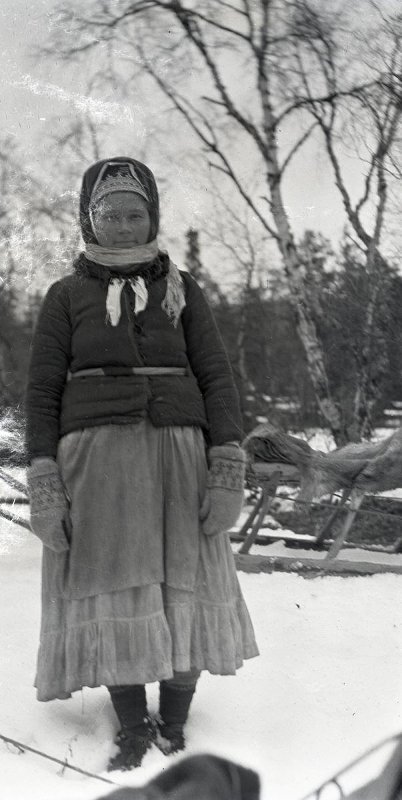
(49, 505)
(225, 488)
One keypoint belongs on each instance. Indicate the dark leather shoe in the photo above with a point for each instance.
(133, 745)
(170, 738)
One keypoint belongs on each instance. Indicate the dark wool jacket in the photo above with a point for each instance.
(72, 334)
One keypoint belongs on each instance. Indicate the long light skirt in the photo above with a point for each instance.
(142, 633)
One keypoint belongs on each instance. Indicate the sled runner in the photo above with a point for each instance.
(376, 775)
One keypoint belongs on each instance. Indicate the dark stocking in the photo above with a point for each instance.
(130, 705)
(135, 736)
(175, 700)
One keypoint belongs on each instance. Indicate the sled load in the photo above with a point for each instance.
(348, 473)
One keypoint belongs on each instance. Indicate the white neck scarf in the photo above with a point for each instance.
(122, 256)
(113, 299)
(172, 304)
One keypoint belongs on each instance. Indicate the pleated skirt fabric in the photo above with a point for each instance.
(140, 633)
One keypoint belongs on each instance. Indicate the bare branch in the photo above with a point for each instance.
(213, 101)
(322, 100)
(220, 26)
(208, 139)
(351, 213)
(367, 186)
(230, 7)
(297, 147)
(248, 13)
(194, 33)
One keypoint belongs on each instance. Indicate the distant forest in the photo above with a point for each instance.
(266, 353)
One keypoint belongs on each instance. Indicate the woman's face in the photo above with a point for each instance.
(121, 220)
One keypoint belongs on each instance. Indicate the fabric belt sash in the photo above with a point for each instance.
(121, 371)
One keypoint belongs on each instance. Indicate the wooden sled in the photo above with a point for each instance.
(268, 477)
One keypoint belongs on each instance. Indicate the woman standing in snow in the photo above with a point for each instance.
(133, 432)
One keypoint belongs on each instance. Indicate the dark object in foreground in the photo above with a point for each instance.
(202, 777)
(376, 775)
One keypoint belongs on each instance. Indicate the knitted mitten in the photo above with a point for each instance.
(49, 506)
(225, 487)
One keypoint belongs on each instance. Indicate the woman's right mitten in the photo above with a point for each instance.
(223, 500)
(49, 506)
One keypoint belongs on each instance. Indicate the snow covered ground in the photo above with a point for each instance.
(326, 686)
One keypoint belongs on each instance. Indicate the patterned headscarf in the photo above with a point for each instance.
(117, 174)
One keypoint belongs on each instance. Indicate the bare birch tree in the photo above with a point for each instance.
(233, 70)
(369, 117)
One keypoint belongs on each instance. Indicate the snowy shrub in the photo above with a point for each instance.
(11, 440)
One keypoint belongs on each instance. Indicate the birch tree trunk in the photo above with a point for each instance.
(292, 263)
